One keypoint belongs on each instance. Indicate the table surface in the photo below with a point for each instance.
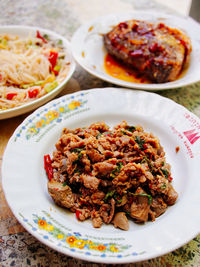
(17, 247)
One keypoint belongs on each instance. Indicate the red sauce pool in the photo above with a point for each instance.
(120, 71)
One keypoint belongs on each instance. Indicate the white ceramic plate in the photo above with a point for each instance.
(88, 48)
(24, 31)
(25, 181)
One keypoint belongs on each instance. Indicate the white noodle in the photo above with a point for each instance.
(23, 62)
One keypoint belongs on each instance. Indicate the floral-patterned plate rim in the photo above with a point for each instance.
(22, 30)
(89, 51)
(25, 182)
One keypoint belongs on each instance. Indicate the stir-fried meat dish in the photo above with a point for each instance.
(153, 49)
(110, 175)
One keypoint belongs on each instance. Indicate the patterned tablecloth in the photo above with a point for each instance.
(17, 247)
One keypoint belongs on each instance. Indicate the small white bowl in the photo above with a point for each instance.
(24, 31)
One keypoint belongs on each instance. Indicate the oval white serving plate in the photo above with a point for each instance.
(89, 51)
(25, 182)
(24, 31)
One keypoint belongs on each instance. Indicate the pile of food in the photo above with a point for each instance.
(153, 49)
(110, 175)
(29, 68)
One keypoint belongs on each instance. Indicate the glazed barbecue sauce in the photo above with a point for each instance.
(121, 71)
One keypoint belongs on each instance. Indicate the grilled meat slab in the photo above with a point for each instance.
(155, 50)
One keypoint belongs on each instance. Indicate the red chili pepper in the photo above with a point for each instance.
(55, 72)
(33, 92)
(41, 37)
(48, 167)
(123, 25)
(123, 161)
(10, 96)
(170, 179)
(161, 25)
(78, 212)
(145, 146)
(155, 47)
(53, 58)
(135, 27)
(47, 160)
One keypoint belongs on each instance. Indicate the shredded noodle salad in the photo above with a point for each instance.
(29, 68)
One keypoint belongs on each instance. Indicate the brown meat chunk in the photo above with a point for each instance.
(124, 140)
(152, 215)
(62, 195)
(100, 126)
(104, 168)
(97, 197)
(96, 219)
(107, 211)
(104, 144)
(120, 220)
(92, 150)
(94, 155)
(112, 211)
(74, 145)
(57, 159)
(75, 178)
(76, 203)
(171, 196)
(90, 182)
(128, 171)
(140, 207)
(123, 201)
(86, 162)
(71, 159)
(71, 139)
(158, 206)
(84, 214)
